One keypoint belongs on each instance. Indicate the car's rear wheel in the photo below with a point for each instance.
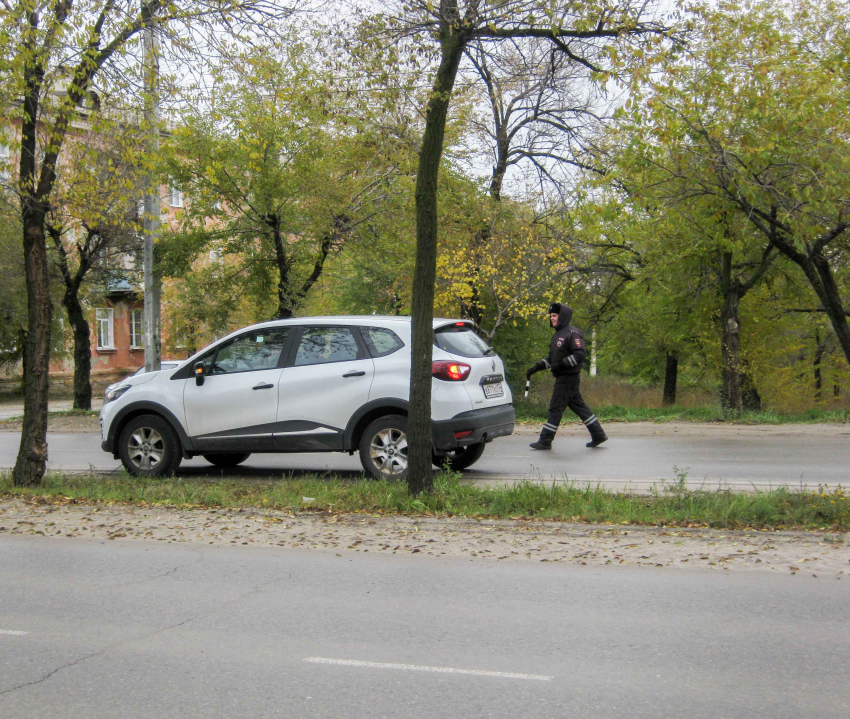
(225, 460)
(460, 459)
(383, 447)
(149, 447)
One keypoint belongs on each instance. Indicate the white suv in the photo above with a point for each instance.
(312, 384)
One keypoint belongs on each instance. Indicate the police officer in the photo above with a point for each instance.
(566, 356)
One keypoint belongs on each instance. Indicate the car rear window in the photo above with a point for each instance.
(461, 341)
(380, 341)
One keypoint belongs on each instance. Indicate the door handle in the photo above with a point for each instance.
(354, 374)
(262, 386)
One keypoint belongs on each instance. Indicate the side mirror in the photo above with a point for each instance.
(199, 369)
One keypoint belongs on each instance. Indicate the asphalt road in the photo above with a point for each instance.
(635, 457)
(140, 629)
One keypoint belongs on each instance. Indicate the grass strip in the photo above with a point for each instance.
(670, 505)
(527, 412)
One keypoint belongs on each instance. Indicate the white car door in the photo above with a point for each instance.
(236, 407)
(325, 382)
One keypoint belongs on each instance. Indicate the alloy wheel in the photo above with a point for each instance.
(388, 450)
(146, 448)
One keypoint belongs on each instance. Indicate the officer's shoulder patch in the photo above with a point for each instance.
(578, 342)
(560, 342)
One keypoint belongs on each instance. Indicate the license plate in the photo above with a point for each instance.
(493, 390)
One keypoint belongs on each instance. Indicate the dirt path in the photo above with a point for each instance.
(810, 554)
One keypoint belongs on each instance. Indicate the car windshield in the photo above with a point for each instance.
(462, 340)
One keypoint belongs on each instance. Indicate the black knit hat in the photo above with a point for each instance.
(555, 308)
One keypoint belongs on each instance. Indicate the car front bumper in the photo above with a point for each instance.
(484, 425)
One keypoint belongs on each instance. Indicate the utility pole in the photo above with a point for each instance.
(153, 283)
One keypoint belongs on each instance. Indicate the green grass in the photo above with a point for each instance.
(618, 413)
(671, 505)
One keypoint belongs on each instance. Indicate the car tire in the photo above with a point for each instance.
(383, 447)
(460, 459)
(226, 460)
(149, 447)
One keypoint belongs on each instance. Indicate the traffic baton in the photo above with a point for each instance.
(527, 386)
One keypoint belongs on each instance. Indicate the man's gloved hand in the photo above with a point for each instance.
(541, 365)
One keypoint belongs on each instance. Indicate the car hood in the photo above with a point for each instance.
(135, 379)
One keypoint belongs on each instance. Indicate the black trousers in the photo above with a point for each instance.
(567, 394)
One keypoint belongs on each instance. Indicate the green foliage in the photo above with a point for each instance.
(13, 297)
(279, 179)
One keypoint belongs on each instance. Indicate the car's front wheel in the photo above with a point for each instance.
(226, 460)
(460, 459)
(148, 447)
(383, 447)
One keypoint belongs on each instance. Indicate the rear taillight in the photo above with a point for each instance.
(450, 370)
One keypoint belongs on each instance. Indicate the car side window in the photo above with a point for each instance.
(381, 341)
(256, 350)
(320, 345)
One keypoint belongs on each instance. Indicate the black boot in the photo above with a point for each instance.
(547, 434)
(597, 439)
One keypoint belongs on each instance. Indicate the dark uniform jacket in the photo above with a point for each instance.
(566, 350)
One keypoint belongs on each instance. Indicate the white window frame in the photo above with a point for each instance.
(5, 159)
(105, 316)
(137, 342)
(175, 196)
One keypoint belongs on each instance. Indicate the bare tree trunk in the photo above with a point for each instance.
(730, 345)
(32, 455)
(76, 316)
(820, 348)
(284, 284)
(82, 350)
(671, 375)
(420, 475)
(750, 397)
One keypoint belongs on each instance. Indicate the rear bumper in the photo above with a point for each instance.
(485, 425)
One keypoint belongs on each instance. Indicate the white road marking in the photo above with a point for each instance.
(13, 632)
(418, 668)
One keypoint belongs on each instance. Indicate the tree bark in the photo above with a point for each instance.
(820, 349)
(82, 350)
(31, 462)
(832, 302)
(76, 316)
(730, 345)
(750, 397)
(420, 476)
(32, 454)
(671, 375)
(284, 288)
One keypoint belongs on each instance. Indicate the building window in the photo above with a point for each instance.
(5, 167)
(105, 336)
(176, 196)
(137, 329)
